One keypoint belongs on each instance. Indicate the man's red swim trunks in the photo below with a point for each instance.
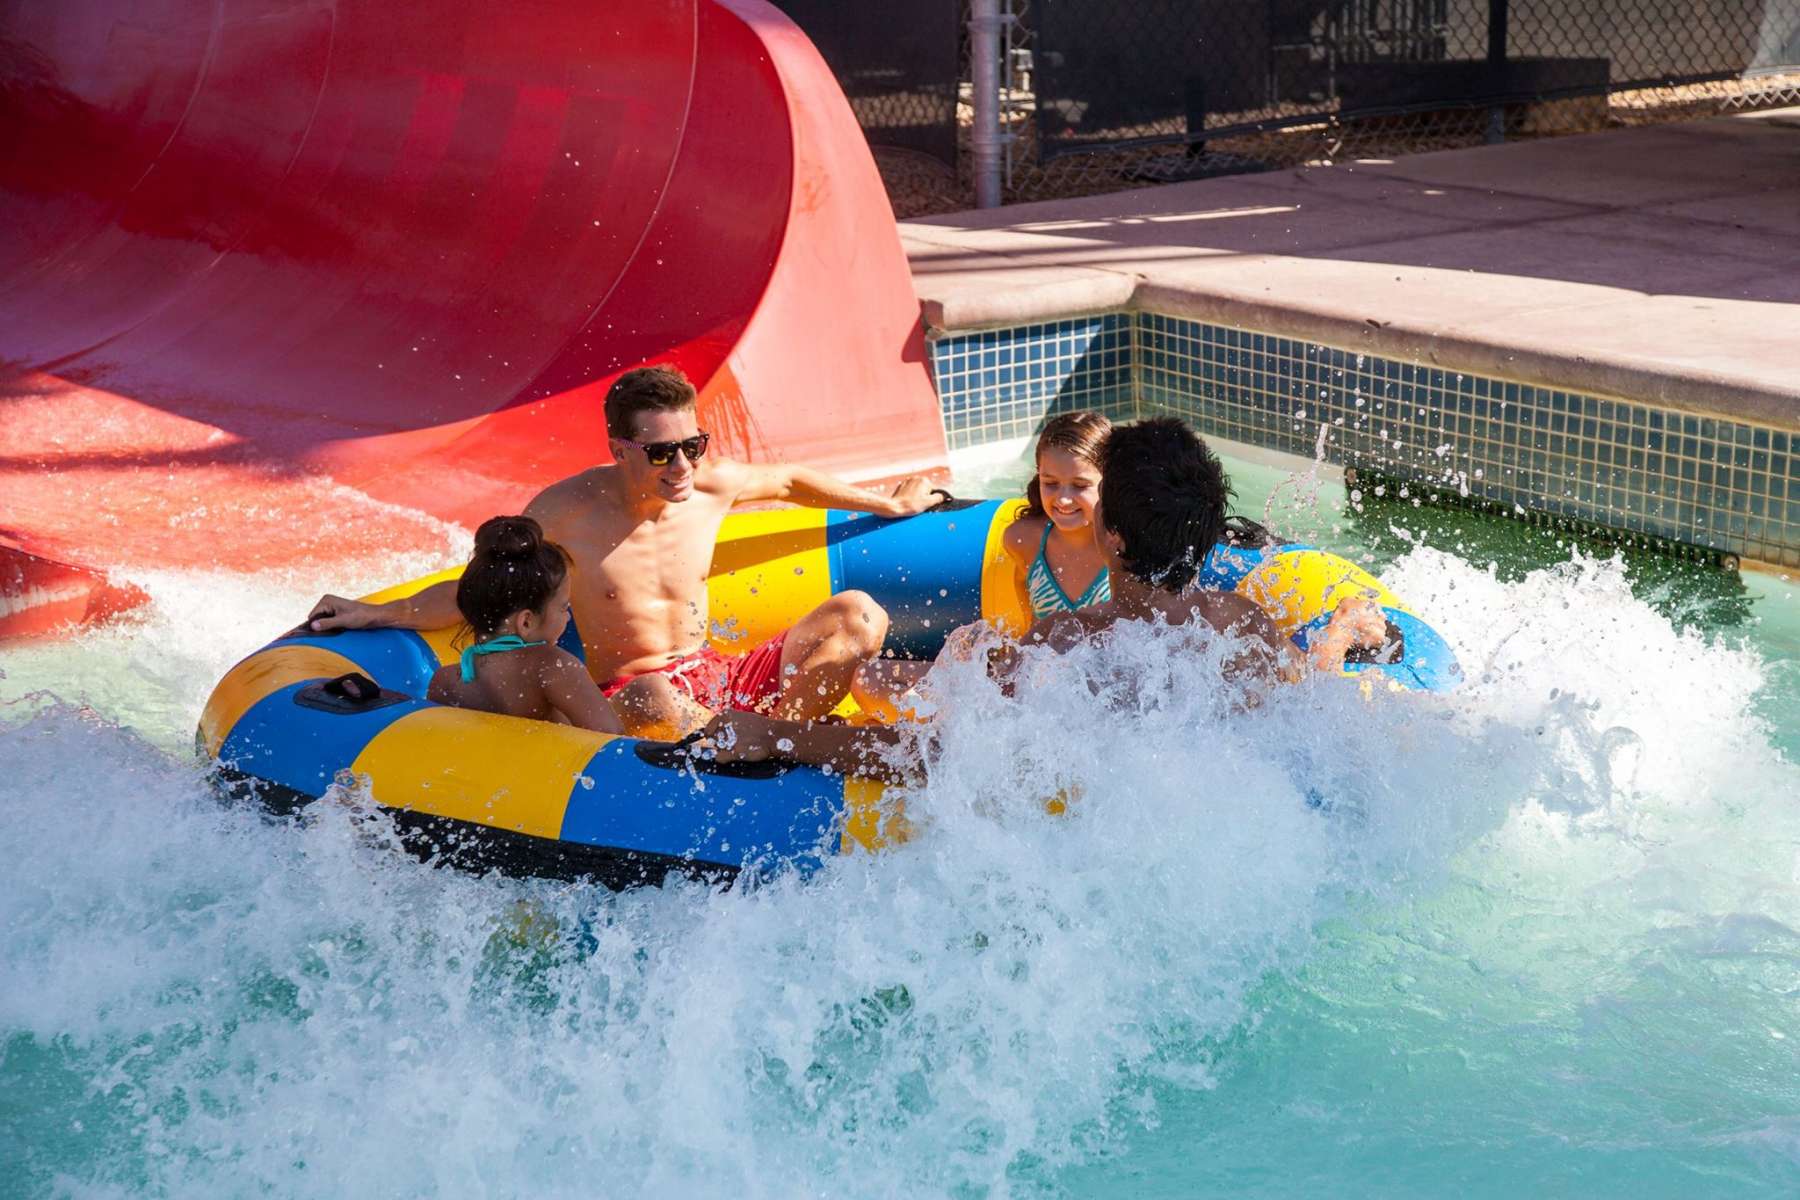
(720, 681)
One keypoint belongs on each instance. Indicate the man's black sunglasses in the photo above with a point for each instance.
(661, 454)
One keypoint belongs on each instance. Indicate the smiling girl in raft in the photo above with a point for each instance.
(1057, 564)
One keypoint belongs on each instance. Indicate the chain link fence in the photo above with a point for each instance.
(1099, 95)
(1182, 89)
(903, 65)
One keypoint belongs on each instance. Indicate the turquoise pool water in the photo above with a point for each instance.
(1544, 940)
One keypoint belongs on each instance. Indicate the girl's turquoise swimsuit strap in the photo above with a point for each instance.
(499, 645)
(1047, 596)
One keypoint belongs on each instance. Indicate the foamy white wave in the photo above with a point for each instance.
(218, 1003)
(154, 669)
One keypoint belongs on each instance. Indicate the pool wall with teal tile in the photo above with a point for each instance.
(1713, 482)
(1000, 384)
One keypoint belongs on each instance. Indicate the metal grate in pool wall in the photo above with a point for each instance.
(1000, 384)
(1713, 482)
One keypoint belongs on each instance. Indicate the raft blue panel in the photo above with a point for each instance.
(397, 659)
(733, 821)
(1430, 665)
(1303, 636)
(906, 564)
(1430, 662)
(303, 748)
(1225, 567)
(571, 640)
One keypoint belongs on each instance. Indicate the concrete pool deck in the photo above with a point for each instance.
(1658, 265)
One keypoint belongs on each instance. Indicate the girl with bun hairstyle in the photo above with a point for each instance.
(514, 596)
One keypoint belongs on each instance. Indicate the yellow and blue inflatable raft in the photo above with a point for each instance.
(528, 797)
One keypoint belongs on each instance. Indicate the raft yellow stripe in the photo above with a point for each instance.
(503, 772)
(412, 587)
(770, 569)
(1296, 586)
(1002, 603)
(264, 672)
(438, 639)
(871, 822)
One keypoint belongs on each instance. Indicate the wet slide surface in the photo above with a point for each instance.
(285, 280)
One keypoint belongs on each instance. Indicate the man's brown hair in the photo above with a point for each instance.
(645, 389)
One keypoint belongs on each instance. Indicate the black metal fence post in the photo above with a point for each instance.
(1496, 56)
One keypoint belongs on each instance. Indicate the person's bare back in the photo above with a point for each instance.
(536, 682)
(514, 598)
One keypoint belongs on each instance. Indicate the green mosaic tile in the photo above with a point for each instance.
(1709, 481)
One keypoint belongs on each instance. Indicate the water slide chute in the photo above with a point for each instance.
(254, 252)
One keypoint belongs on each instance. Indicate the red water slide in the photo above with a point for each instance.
(279, 278)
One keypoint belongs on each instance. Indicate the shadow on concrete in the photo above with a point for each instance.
(1704, 210)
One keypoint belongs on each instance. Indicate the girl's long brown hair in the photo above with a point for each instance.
(1081, 434)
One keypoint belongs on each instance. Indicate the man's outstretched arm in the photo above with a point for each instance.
(815, 489)
(433, 608)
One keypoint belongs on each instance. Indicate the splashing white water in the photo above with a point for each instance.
(202, 1000)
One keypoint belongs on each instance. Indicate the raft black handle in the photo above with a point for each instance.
(355, 687)
(305, 629)
(950, 503)
(1392, 650)
(352, 692)
(684, 756)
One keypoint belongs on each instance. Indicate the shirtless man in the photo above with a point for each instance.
(640, 534)
(1162, 505)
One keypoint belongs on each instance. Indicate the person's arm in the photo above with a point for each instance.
(1021, 541)
(815, 489)
(1061, 631)
(574, 694)
(860, 750)
(433, 608)
(1357, 623)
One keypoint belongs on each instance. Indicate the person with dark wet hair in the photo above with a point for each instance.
(1163, 501)
(514, 601)
(1164, 496)
(1162, 508)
